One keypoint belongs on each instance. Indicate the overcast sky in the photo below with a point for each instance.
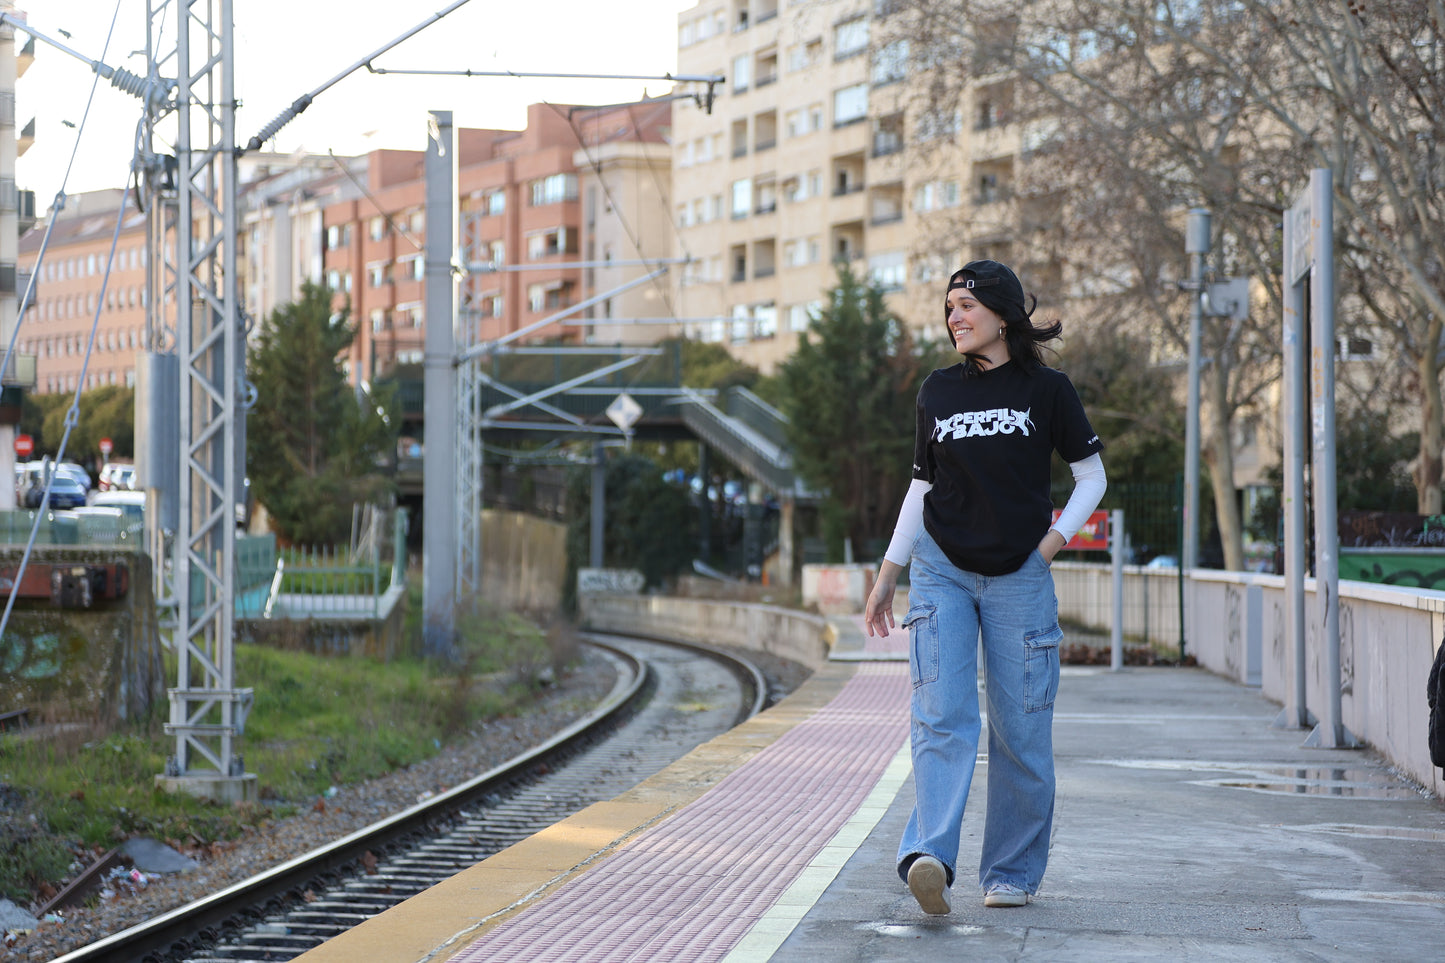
(285, 48)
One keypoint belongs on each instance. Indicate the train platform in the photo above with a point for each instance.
(1187, 827)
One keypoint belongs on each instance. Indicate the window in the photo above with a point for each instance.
(536, 296)
(378, 274)
(802, 252)
(547, 243)
(554, 189)
(888, 270)
(805, 55)
(742, 197)
(742, 324)
(497, 306)
(850, 38)
(850, 104)
(687, 34)
(765, 320)
(413, 267)
(376, 228)
(338, 236)
(932, 125)
(935, 196)
(891, 63)
(496, 202)
(767, 197)
(378, 320)
(498, 253)
(742, 72)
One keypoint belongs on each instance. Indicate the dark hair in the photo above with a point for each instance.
(1021, 334)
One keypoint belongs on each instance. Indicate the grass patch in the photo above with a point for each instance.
(316, 722)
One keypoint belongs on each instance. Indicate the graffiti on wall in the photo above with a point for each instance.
(30, 658)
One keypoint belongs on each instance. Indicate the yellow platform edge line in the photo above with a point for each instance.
(435, 925)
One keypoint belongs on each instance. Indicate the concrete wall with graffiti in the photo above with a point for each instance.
(1388, 636)
(93, 657)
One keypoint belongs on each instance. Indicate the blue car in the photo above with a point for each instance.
(65, 491)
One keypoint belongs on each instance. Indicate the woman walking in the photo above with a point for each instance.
(976, 526)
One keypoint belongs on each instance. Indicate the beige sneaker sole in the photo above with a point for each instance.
(928, 882)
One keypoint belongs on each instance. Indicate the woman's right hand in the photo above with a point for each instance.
(878, 613)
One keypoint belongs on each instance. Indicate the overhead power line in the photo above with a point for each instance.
(304, 101)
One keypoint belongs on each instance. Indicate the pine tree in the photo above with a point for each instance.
(313, 447)
(849, 392)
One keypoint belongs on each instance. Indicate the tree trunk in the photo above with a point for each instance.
(1218, 454)
(1427, 466)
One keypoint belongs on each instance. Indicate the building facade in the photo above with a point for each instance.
(74, 293)
(578, 185)
(813, 156)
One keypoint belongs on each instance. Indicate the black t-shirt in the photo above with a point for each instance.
(985, 441)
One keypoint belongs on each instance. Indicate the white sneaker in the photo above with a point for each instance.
(928, 882)
(1005, 894)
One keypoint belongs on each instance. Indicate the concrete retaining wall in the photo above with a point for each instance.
(838, 589)
(787, 633)
(1235, 626)
(524, 560)
(100, 664)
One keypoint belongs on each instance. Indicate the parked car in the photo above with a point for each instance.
(133, 504)
(71, 470)
(115, 476)
(65, 491)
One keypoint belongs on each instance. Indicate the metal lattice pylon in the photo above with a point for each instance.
(208, 710)
(469, 417)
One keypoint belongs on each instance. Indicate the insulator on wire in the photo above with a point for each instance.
(135, 85)
(285, 117)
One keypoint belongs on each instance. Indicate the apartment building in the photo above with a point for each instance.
(280, 241)
(278, 246)
(578, 184)
(816, 152)
(74, 294)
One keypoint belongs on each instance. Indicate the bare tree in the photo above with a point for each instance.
(1132, 111)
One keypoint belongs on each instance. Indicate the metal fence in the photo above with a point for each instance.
(358, 580)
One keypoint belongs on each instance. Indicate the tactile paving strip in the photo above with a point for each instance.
(691, 888)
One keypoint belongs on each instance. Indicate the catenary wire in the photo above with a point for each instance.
(72, 415)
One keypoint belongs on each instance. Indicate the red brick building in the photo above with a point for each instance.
(522, 198)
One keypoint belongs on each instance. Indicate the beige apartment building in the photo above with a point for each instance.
(814, 154)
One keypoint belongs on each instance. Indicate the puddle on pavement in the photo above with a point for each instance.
(1343, 782)
(1410, 833)
(1363, 896)
(914, 930)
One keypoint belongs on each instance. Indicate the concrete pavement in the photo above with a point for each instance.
(1187, 827)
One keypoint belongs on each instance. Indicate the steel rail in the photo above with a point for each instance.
(202, 921)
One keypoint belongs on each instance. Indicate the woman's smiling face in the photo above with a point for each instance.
(977, 330)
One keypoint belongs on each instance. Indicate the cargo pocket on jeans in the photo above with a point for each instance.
(922, 625)
(1041, 667)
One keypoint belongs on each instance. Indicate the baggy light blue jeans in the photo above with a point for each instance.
(1017, 616)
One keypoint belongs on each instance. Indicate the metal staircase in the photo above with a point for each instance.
(749, 433)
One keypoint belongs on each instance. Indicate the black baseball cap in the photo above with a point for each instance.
(994, 285)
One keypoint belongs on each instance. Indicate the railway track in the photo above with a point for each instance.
(668, 699)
